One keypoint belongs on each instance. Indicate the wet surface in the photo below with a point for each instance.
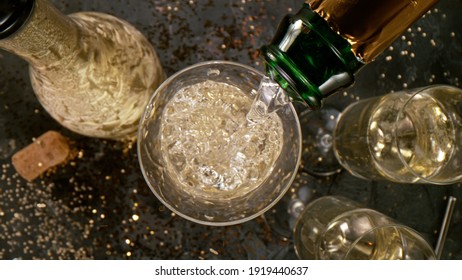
(98, 206)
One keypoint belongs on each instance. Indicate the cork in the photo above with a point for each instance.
(47, 151)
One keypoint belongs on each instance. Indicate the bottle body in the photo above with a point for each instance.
(317, 51)
(92, 72)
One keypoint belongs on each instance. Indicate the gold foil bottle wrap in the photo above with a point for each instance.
(370, 25)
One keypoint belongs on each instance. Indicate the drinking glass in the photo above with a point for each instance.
(332, 228)
(411, 136)
(164, 166)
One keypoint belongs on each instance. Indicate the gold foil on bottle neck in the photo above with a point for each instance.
(370, 25)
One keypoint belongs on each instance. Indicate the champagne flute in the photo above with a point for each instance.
(410, 136)
(333, 227)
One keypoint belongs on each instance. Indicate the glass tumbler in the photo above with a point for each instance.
(333, 228)
(197, 160)
(411, 136)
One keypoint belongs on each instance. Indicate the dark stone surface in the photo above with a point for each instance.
(99, 207)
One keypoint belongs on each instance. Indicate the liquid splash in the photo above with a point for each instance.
(270, 97)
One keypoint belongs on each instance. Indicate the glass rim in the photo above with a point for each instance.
(172, 208)
(395, 138)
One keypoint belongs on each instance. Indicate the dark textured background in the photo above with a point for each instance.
(99, 207)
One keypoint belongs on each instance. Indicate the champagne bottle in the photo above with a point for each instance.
(317, 51)
(92, 72)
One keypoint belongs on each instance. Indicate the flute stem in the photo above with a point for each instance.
(444, 227)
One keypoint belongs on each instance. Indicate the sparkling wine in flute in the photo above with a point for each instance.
(407, 137)
(336, 228)
(210, 146)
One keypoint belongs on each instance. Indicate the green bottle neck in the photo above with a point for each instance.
(308, 59)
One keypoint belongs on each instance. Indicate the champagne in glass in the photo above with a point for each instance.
(209, 145)
(334, 228)
(407, 137)
(205, 157)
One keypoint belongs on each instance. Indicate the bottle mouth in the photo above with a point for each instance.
(304, 92)
(13, 15)
(308, 59)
